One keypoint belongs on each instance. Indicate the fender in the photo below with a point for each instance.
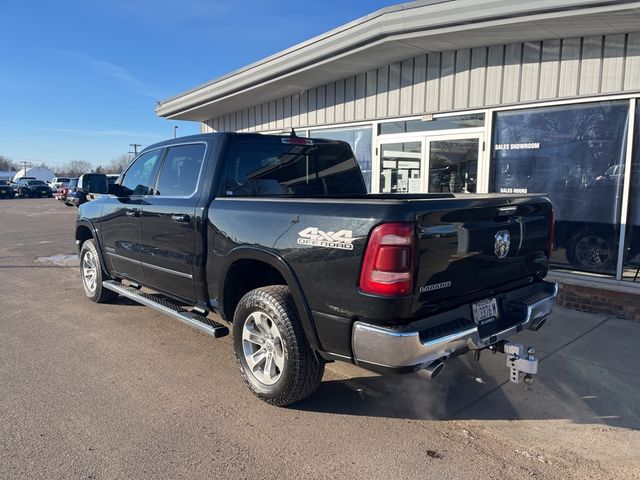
(281, 265)
(83, 222)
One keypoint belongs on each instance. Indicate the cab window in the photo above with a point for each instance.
(180, 170)
(137, 179)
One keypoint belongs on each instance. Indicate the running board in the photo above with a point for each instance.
(168, 307)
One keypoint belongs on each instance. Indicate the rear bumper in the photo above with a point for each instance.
(385, 349)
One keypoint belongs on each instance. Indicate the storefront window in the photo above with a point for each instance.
(439, 123)
(631, 269)
(575, 154)
(360, 140)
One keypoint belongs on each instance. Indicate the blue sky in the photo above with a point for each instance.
(79, 79)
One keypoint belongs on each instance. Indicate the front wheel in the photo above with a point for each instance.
(93, 275)
(273, 354)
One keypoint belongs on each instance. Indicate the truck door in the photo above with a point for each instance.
(169, 222)
(120, 224)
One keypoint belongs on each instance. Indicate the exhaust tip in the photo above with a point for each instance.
(538, 325)
(432, 371)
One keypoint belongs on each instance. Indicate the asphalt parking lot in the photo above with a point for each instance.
(119, 391)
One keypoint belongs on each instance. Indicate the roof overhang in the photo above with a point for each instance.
(397, 33)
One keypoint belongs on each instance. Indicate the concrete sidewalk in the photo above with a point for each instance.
(587, 374)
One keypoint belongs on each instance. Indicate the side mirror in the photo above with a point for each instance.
(93, 183)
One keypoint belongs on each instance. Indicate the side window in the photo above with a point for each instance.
(137, 179)
(180, 170)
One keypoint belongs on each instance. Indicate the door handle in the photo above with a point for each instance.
(180, 218)
(132, 213)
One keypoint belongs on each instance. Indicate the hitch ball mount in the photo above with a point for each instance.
(521, 360)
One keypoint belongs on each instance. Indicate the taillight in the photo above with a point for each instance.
(387, 268)
(552, 230)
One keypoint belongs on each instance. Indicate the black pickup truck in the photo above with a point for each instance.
(277, 236)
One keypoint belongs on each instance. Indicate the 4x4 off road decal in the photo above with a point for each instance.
(319, 238)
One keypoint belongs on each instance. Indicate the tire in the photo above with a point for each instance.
(92, 274)
(266, 321)
(592, 251)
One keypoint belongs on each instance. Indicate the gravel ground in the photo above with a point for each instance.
(119, 391)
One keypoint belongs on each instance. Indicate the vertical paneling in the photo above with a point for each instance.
(349, 99)
(339, 101)
(549, 69)
(455, 80)
(265, 116)
(477, 77)
(406, 86)
(287, 112)
(330, 102)
(295, 110)
(321, 105)
(495, 61)
(632, 62)
(447, 72)
(433, 82)
(462, 74)
(419, 84)
(569, 67)
(304, 108)
(612, 63)
(371, 94)
(394, 90)
(511, 73)
(591, 65)
(382, 92)
(530, 74)
(313, 107)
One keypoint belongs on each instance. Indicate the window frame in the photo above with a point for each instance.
(154, 172)
(161, 164)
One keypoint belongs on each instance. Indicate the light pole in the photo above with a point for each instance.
(175, 127)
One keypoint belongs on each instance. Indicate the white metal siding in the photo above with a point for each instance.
(456, 80)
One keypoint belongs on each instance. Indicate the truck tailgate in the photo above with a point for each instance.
(471, 247)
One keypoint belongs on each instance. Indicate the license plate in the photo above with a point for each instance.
(485, 310)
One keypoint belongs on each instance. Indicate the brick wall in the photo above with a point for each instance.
(597, 300)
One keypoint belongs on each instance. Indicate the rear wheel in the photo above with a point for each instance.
(273, 354)
(93, 275)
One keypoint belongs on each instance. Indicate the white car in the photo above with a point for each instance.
(58, 182)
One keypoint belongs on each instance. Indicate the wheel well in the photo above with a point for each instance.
(83, 234)
(244, 276)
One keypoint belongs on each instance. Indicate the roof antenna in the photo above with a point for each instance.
(289, 131)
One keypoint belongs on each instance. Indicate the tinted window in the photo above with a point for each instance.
(575, 154)
(73, 183)
(180, 170)
(137, 179)
(35, 182)
(2, 182)
(272, 169)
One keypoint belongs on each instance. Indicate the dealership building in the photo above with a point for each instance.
(472, 96)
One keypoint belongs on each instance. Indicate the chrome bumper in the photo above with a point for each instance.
(390, 348)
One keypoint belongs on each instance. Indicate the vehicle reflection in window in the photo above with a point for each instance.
(573, 153)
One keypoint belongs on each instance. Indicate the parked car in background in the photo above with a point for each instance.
(6, 190)
(33, 188)
(73, 184)
(58, 182)
(112, 178)
(61, 193)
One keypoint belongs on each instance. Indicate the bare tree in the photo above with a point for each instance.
(7, 164)
(75, 168)
(118, 165)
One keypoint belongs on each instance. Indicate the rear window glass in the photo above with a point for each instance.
(272, 169)
(73, 183)
(35, 182)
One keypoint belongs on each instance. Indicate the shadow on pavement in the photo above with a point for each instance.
(574, 383)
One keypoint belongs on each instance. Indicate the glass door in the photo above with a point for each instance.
(401, 166)
(452, 161)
